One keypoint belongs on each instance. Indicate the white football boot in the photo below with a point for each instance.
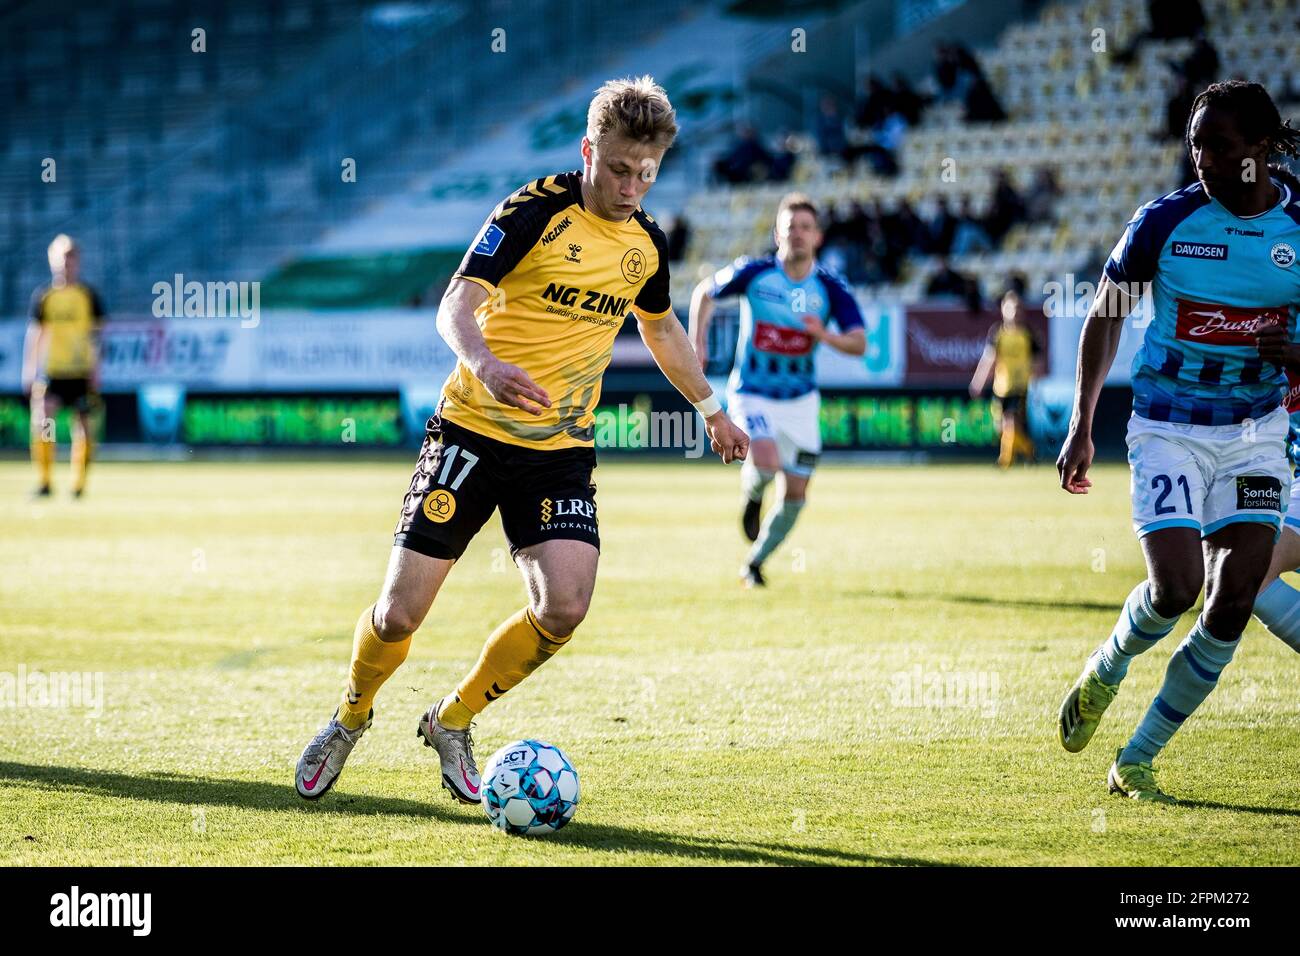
(322, 761)
(456, 754)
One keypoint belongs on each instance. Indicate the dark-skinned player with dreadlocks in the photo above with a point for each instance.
(1209, 437)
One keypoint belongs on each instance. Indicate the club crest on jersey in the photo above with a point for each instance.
(634, 266)
(1213, 324)
(489, 240)
(439, 506)
(1282, 255)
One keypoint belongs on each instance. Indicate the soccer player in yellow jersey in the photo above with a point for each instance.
(61, 362)
(1013, 358)
(531, 315)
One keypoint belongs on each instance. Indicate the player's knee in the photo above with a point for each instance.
(561, 615)
(394, 622)
(1226, 616)
(1172, 597)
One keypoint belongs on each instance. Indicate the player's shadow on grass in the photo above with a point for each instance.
(209, 791)
(704, 849)
(254, 795)
(1051, 604)
(1239, 808)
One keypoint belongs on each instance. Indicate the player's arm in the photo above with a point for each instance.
(33, 348)
(701, 315)
(1097, 347)
(851, 337)
(980, 380)
(100, 315)
(34, 342)
(1276, 346)
(459, 328)
(672, 351)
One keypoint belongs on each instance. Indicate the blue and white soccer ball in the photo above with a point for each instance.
(529, 787)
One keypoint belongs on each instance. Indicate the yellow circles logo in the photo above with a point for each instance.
(634, 266)
(439, 506)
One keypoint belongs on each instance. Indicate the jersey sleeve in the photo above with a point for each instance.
(509, 233)
(653, 301)
(843, 307)
(735, 278)
(1137, 254)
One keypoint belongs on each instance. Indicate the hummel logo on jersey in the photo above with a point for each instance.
(1200, 250)
(575, 253)
(1238, 231)
(602, 303)
(562, 225)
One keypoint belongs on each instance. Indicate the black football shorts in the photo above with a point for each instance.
(462, 477)
(71, 392)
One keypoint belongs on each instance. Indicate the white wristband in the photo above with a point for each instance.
(708, 406)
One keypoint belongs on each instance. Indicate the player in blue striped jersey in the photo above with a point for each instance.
(1208, 435)
(786, 304)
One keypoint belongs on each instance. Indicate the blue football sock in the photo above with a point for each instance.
(1278, 609)
(1193, 671)
(1138, 629)
(753, 480)
(775, 528)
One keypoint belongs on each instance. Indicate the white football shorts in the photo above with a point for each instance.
(793, 423)
(1209, 476)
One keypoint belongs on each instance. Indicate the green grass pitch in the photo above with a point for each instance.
(889, 699)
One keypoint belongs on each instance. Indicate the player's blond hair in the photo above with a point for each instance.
(795, 202)
(59, 250)
(633, 108)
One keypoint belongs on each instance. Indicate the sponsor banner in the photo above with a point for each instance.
(1214, 324)
(945, 344)
(283, 351)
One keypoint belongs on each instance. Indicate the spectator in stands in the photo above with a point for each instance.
(783, 160)
(908, 103)
(746, 161)
(1008, 207)
(970, 235)
(948, 283)
(829, 131)
(941, 227)
(982, 104)
(1201, 66)
(876, 103)
(950, 80)
(914, 235)
(1043, 193)
(1169, 20)
(679, 235)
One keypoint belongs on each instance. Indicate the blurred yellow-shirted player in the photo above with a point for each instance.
(61, 362)
(1012, 357)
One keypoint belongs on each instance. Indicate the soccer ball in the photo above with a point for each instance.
(529, 787)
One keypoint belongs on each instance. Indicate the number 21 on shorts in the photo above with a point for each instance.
(1165, 486)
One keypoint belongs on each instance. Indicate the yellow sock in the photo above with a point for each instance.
(1008, 447)
(516, 648)
(1024, 445)
(80, 461)
(373, 662)
(43, 458)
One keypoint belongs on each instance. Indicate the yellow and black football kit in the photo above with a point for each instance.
(71, 316)
(560, 282)
(1015, 348)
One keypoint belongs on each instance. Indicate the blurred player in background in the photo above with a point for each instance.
(532, 321)
(61, 363)
(1208, 439)
(787, 301)
(1013, 358)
